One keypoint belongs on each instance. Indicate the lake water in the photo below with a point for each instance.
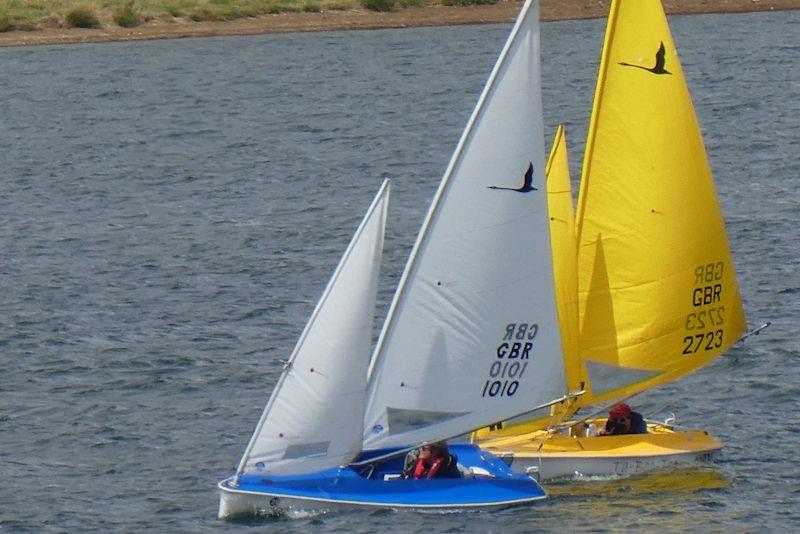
(170, 212)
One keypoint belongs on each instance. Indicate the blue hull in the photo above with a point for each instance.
(376, 486)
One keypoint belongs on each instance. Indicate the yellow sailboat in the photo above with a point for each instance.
(646, 286)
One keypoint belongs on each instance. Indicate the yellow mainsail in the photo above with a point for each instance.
(657, 290)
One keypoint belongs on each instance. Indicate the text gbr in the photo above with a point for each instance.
(710, 318)
(512, 355)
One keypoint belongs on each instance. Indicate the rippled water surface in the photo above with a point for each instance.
(170, 211)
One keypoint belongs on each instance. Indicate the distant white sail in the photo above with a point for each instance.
(314, 418)
(472, 336)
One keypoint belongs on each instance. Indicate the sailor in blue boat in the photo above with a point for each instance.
(623, 420)
(431, 461)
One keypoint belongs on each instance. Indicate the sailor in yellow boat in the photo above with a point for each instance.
(623, 420)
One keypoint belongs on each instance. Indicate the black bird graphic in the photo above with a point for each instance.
(659, 68)
(526, 186)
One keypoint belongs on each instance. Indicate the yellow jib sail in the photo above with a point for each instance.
(564, 250)
(565, 276)
(657, 290)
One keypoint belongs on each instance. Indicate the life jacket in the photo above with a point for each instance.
(421, 471)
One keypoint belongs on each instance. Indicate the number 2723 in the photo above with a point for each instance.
(706, 341)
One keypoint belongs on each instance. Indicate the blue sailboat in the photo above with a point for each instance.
(471, 337)
(379, 486)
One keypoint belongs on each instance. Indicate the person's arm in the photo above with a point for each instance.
(606, 430)
(410, 463)
(640, 426)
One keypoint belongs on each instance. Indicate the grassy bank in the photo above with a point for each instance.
(42, 14)
(79, 21)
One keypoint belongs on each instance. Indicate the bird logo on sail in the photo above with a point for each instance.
(527, 184)
(660, 62)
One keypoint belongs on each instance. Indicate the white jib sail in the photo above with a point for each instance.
(472, 335)
(313, 421)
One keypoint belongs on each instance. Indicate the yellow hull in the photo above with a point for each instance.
(554, 456)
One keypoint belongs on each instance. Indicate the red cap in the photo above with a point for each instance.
(619, 411)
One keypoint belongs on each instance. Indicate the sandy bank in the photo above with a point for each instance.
(505, 11)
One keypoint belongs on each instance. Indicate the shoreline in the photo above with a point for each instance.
(504, 11)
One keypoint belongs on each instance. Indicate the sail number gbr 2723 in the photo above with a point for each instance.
(513, 353)
(705, 323)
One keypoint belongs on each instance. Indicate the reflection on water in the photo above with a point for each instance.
(650, 501)
(676, 482)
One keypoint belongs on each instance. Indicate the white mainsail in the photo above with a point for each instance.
(313, 421)
(472, 336)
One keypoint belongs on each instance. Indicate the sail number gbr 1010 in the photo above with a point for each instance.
(513, 354)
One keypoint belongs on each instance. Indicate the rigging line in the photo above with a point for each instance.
(754, 332)
(427, 442)
(673, 426)
(557, 420)
(659, 408)
(605, 407)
